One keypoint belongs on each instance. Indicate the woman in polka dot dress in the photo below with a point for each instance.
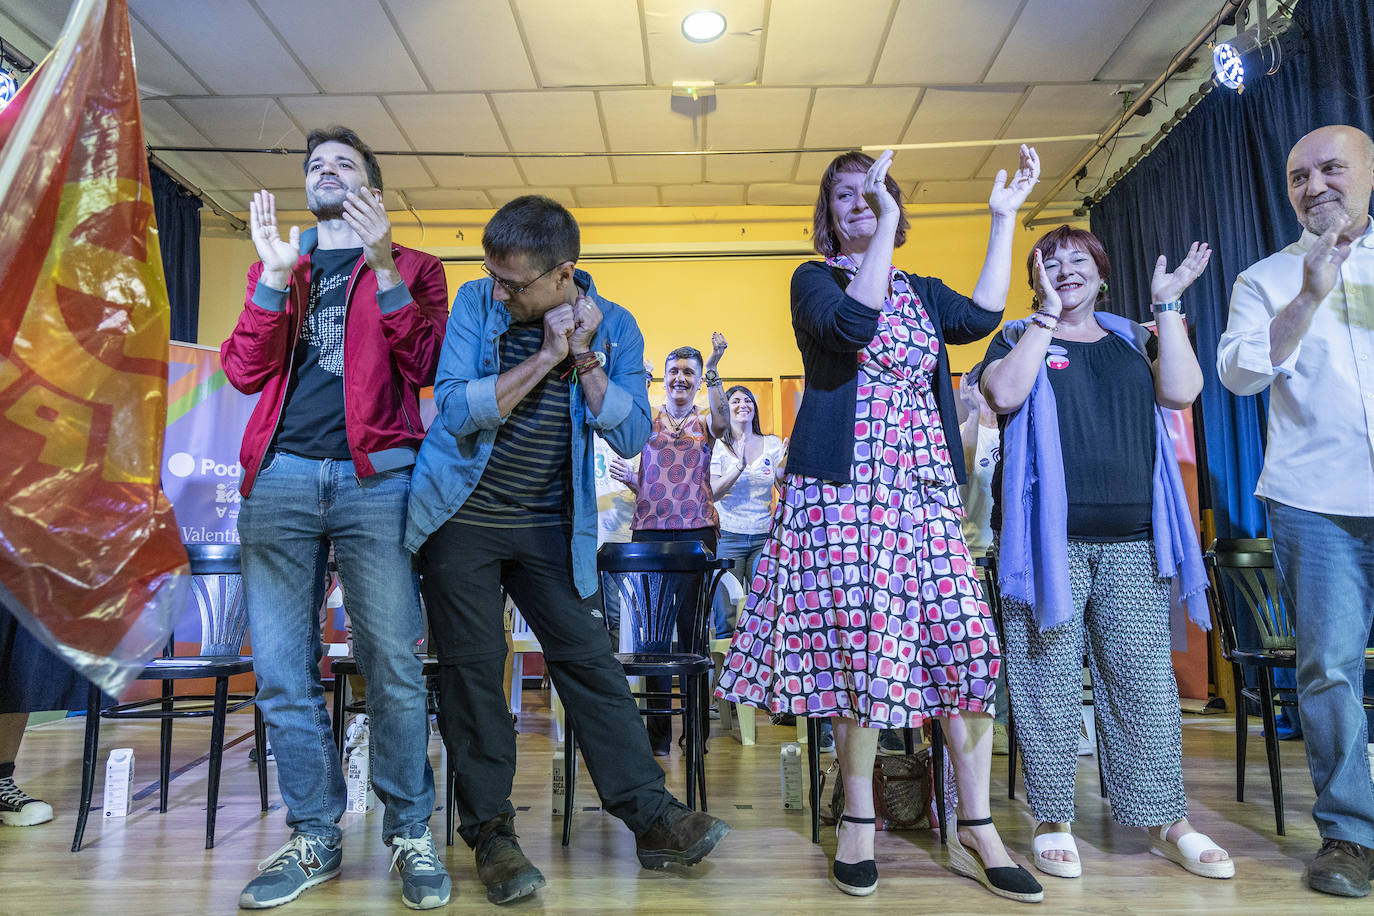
(866, 607)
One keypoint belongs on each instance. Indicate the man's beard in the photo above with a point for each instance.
(328, 204)
(1327, 218)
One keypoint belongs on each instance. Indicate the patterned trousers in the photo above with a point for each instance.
(1122, 609)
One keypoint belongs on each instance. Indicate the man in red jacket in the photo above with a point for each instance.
(340, 330)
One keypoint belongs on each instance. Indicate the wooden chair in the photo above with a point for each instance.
(1243, 569)
(661, 583)
(217, 587)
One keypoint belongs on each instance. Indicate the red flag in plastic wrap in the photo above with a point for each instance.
(90, 558)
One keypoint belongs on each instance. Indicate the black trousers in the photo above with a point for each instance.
(660, 728)
(463, 568)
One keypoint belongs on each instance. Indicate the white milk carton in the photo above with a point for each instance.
(358, 767)
(119, 782)
(792, 776)
(560, 783)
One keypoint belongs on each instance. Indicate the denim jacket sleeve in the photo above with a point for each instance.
(624, 421)
(465, 384)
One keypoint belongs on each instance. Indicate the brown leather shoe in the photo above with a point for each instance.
(1341, 868)
(501, 865)
(680, 837)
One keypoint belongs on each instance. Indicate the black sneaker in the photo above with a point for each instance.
(680, 837)
(501, 865)
(20, 809)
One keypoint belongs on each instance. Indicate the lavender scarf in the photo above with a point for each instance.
(1033, 559)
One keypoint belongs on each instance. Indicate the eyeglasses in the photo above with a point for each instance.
(512, 289)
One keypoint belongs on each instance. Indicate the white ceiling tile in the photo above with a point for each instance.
(947, 115)
(242, 122)
(972, 113)
(163, 125)
(448, 199)
(1156, 39)
(928, 45)
(731, 59)
(657, 169)
(208, 171)
(811, 167)
(1064, 40)
(447, 122)
(363, 113)
(556, 121)
(293, 200)
(645, 119)
(1054, 110)
(774, 194)
(749, 169)
(703, 195)
(584, 44)
(952, 192)
(159, 73)
(502, 196)
(233, 201)
(470, 172)
(813, 42)
(34, 25)
(587, 170)
(753, 118)
(618, 196)
(217, 38)
(271, 170)
(404, 172)
(360, 53)
(469, 46)
(859, 117)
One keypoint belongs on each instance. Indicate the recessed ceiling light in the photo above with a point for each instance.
(703, 26)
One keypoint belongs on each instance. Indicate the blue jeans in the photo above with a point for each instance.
(745, 550)
(297, 508)
(1325, 565)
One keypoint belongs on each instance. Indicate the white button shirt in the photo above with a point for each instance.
(1320, 453)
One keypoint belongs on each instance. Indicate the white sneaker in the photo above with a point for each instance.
(19, 809)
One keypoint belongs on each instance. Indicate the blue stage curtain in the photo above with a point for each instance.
(1219, 177)
(178, 230)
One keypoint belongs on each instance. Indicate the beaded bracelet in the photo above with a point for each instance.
(1038, 319)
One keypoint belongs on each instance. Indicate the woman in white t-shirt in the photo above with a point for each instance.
(746, 466)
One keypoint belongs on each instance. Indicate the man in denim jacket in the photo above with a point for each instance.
(534, 362)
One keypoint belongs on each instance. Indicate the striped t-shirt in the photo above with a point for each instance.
(527, 478)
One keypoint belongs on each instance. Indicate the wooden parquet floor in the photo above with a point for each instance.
(151, 863)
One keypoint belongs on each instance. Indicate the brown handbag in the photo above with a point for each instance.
(902, 792)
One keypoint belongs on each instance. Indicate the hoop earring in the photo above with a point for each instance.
(1103, 288)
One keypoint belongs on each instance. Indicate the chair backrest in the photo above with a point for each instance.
(217, 586)
(658, 583)
(1247, 566)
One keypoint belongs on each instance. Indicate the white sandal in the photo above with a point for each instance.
(1188, 851)
(1058, 841)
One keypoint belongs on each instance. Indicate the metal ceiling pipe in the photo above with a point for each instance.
(1230, 8)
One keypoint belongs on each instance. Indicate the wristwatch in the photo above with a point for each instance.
(711, 377)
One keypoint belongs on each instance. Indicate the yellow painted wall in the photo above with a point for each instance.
(675, 301)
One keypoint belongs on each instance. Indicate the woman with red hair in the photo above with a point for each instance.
(1093, 531)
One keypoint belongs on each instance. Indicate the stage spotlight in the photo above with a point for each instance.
(1228, 58)
(8, 86)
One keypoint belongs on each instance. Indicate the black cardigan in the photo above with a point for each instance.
(831, 329)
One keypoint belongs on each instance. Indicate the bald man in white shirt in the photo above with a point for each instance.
(1302, 325)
